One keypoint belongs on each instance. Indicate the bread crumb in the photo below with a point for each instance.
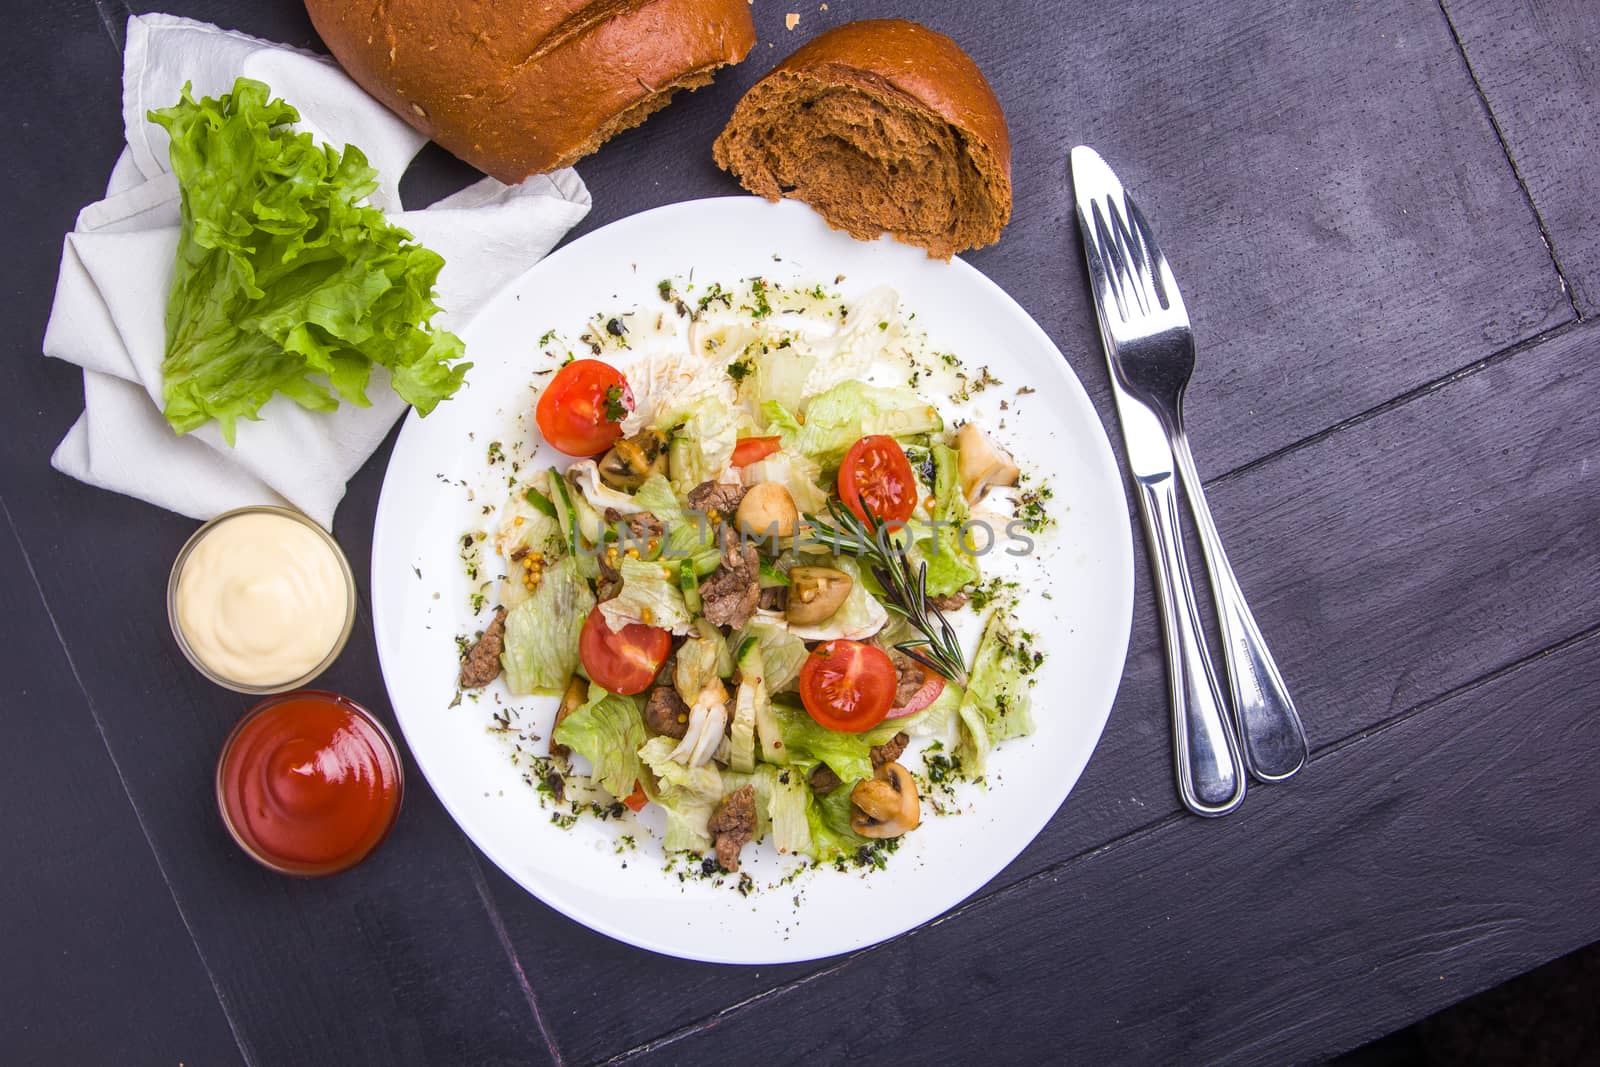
(824, 7)
(791, 20)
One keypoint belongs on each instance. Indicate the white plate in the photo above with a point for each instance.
(1085, 567)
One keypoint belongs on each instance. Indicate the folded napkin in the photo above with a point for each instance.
(116, 269)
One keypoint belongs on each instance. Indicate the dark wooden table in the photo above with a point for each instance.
(1386, 217)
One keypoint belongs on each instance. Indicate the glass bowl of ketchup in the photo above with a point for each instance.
(309, 783)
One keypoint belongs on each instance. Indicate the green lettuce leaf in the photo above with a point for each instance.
(702, 445)
(541, 643)
(608, 731)
(779, 421)
(688, 795)
(828, 818)
(849, 411)
(996, 705)
(689, 536)
(524, 526)
(950, 567)
(847, 755)
(701, 660)
(789, 809)
(750, 701)
(938, 719)
(779, 377)
(796, 472)
(285, 281)
(782, 653)
(651, 595)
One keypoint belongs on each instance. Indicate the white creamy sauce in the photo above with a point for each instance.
(262, 599)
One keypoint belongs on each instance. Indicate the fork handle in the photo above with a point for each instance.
(1211, 778)
(1274, 741)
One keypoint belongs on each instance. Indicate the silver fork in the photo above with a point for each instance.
(1150, 346)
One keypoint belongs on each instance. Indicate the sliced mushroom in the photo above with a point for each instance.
(632, 461)
(767, 511)
(815, 593)
(983, 464)
(576, 696)
(885, 805)
(584, 478)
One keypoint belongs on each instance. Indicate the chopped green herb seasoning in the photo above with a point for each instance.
(616, 411)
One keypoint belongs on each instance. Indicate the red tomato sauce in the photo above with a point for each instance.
(309, 783)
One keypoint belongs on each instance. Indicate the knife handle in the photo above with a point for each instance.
(1272, 739)
(1211, 777)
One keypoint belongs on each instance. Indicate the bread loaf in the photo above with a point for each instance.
(520, 87)
(882, 126)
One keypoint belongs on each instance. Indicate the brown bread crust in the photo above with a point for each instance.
(520, 87)
(928, 156)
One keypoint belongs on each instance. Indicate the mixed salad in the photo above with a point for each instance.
(748, 583)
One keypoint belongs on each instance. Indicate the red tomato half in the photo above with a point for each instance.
(622, 661)
(754, 449)
(876, 469)
(848, 686)
(581, 410)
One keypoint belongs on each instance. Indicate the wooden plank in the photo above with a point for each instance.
(398, 962)
(1536, 64)
(1404, 871)
(1389, 563)
(100, 967)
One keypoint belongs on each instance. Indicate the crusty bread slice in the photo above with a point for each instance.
(882, 126)
(519, 87)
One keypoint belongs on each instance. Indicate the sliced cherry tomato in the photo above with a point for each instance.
(581, 410)
(876, 469)
(847, 685)
(636, 800)
(932, 686)
(622, 661)
(753, 449)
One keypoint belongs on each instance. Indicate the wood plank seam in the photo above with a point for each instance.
(1424, 706)
(1494, 359)
(481, 884)
(245, 1051)
(1420, 708)
(1516, 171)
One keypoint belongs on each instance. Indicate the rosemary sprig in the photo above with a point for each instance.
(905, 583)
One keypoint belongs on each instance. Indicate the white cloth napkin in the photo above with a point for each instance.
(116, 269)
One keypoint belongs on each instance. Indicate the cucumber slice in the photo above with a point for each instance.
(689, 582)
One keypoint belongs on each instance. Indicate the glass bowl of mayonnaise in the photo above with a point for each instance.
(261, 600)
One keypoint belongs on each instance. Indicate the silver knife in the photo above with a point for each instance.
(1141, 322)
